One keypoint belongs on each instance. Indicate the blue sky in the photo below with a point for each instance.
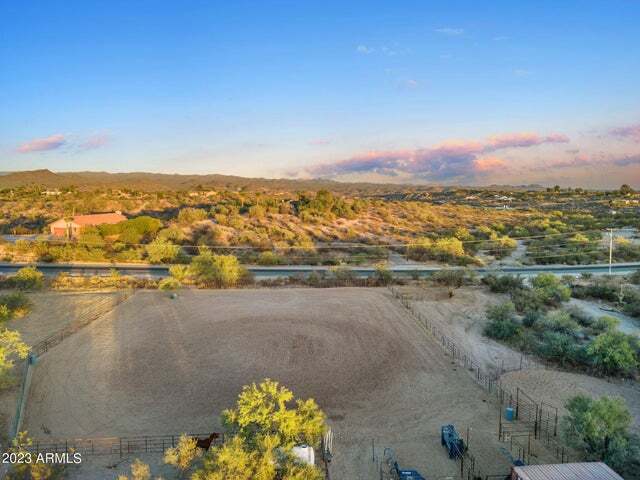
(386, 91)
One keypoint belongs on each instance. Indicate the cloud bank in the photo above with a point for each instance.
(43, 144)
(446, 161)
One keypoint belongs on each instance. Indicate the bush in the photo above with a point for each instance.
(550, 289)
(383, 275)
(559, 321)
(502, 325)
(162, 251)
(526, 300)
(530, 318)
(559, 347)
(605, 324)
(601, 430)
(613, 353)
(215, 270)
(635, 277)
(17, 304)
(169, 283)
(27, 278)
(270, 258)
(503, 283)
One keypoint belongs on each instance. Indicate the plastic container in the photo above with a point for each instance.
(509, 414)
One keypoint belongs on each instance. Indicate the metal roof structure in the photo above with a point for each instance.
(566, 471)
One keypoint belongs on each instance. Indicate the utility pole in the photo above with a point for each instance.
(610, 248)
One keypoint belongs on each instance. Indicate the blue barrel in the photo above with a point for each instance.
(509, 414)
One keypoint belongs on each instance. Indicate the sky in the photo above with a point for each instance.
(451, 92)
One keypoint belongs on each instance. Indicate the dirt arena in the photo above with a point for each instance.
(154, 365)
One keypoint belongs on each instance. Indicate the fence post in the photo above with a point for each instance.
(517, 402)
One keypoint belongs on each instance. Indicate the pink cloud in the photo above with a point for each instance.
(632, 132)
(450, 159)
(43, 144)
(95, 141)
(525, 139)
(489, 164)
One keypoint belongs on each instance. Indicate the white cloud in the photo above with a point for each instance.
(364, 50)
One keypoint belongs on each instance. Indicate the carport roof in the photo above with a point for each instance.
(567, 471)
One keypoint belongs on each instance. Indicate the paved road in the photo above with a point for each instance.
(158, 271)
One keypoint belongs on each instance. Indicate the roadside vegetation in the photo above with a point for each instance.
(273, 227)
(535, 320)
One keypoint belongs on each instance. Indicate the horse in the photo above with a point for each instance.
(205, 443)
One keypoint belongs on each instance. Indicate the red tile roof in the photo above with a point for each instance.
(99, 219)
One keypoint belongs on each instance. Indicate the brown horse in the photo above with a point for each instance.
(205, 443)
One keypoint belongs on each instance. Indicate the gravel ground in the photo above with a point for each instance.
(463, 319)
(51, 312)
(160, 366)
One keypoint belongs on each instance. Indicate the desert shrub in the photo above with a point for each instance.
(183, 454)
(635, 277)
(604, 288)
(215, 270)
(383, 275)
(605, 324)
(188, 215)
(550, 289)
(454, 278)
(161, 251)
(502, 324)
(31, 470)
(169, 283)
(579, 315)
(559, 347)
(17, 304)
(503, 283)
(531, 317)
(612, 353)
(270, 258)
(527, 299)
(27, 278)
(559, 321)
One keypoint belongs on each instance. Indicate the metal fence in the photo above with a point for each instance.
(121, 446)
(99, 309)
(539, 419)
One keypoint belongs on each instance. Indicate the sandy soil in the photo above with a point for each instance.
(51, 312)
(160, 366)
(463, 319)
(556, 387)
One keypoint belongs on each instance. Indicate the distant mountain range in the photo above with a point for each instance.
(162, 182)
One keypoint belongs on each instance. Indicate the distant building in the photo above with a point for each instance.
(72, 227)
(565, 471)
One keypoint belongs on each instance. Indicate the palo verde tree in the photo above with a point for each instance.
(11, 345)
(601, 430)
(261, 433)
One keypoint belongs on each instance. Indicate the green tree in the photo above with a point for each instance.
(593, 426)
(262, 430)
(161, 251)
(265, 409)
(612, 353)
(11, 345)
(550, 289)
(502, 325)
(216, 270)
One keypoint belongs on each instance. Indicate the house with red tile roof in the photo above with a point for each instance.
(72, 227)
